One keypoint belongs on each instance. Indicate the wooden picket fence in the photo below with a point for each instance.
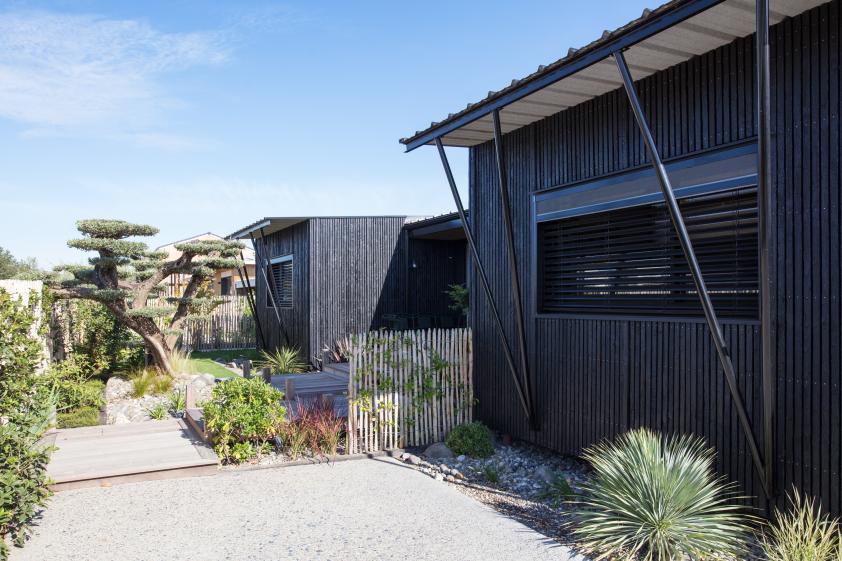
(229, 326)
(408, 388)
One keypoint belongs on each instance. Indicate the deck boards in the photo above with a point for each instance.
(92, 456)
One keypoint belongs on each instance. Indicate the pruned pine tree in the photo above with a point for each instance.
(126, 274)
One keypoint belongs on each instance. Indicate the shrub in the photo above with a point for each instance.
(150, 381)
(98, 338)
(282, 361)
(243, 411)
(24, 409)
(317, 426)
(471, 439)
(490, 473)
(157, 412)
(81, 417)
(656, 497)
(73, 385)
(177, 401)
(802, 533)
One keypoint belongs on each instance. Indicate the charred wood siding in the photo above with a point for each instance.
(433, 265)
(596, 376)
(358, 272)
(293, 240)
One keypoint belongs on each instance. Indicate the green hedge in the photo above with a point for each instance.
(24, 409)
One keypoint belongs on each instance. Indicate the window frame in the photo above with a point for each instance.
(271, 278)
(731, 184)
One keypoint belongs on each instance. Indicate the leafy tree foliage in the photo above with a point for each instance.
(11, 268)
(125, 274)
(24, 412)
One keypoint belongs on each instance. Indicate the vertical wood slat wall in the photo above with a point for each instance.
(598, 376)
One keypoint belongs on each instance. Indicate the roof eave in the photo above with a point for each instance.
(581, 59)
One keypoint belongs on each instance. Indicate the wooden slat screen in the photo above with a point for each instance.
(281, 276)
(629, 261)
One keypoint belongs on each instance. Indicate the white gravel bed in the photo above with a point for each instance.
(347, 511)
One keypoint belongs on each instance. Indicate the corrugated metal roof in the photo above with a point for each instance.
(703, 32)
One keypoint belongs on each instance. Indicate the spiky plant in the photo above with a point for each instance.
(125, 274)
(802, 533)
(180, 362)
(283, 360)
(655, 498)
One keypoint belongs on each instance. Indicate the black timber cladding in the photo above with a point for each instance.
(600, 374)
(348, 274)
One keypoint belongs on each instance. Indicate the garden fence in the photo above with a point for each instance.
(408, 388)
(230, 325)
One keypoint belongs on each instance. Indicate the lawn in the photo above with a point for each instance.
(205, 361)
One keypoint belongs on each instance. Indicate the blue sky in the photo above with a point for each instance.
(202, 116)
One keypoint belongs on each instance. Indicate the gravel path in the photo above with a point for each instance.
(359, 510)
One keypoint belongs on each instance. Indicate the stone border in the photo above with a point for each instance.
(393, 453)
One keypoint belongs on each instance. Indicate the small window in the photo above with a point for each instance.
(629, 260)
(225, 286)
(280, 279)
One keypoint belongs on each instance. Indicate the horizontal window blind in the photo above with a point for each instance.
(281, 276)
(629, 261)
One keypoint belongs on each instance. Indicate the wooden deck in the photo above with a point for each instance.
(110, 454)
(333, 381)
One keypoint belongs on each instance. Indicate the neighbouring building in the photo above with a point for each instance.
(615, 333)
(319, 279)
(226, 282)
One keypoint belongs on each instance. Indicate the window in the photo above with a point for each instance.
(629, 261)
(225, 286)
(280, 282)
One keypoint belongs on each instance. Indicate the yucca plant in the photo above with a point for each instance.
(283, 360)
(655, 498)
(802, 533)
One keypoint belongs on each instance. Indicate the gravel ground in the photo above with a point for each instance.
(358, 510)
(522, 486)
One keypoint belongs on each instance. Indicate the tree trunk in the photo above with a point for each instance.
(157, 347)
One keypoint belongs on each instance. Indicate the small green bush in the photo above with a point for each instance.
(150, 381)
(656, 498)
(243, 411)
(471, 439)
(73, 385)
(802, 533)
(82, 417)
(282, 361)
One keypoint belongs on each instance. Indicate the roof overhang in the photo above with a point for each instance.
(659, 39)
(445, 227)
(266, 226)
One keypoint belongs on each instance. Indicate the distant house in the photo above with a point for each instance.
(226, 282)
(320, 278)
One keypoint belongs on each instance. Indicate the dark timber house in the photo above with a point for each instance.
(656, 218)
(318, 279)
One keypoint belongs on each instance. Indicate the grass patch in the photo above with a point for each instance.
(82, 417)
(208, 366)
(227, 356)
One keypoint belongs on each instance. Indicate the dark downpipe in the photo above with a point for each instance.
(250, 299)
(695, 270)
(764, 227)
(483, 279)
(263, 264)
(510, 246)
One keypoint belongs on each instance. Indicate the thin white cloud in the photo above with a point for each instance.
(90, 75)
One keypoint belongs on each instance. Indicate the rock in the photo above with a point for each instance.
(412, 459)
(117, 388)
(461, 458)
(200, 387)
(439, 477)
(232, 365)
(438, 450)
(404, 456)
(450, 479)
(455, 473)
(444, 469)
(124, 413)
(544, 474)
